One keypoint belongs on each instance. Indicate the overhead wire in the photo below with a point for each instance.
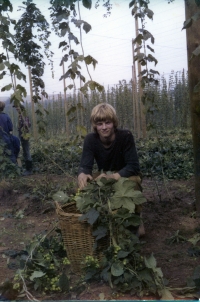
(120, 46)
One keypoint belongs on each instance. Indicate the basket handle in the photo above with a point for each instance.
(58, 208)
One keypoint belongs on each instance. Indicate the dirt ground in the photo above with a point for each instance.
(169, 210)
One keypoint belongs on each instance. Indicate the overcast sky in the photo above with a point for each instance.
(110, 42)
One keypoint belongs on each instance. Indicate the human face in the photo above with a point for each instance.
(106, 130)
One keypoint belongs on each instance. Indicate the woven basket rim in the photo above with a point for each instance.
(60, 211)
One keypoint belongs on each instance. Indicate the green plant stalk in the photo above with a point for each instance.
(111, 227)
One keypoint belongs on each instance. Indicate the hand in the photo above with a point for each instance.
(83, 179)
(100, 176)
(116, 176)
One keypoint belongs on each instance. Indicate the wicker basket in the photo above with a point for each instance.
(77, 236)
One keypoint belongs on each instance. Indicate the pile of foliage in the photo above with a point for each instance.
(110, 206)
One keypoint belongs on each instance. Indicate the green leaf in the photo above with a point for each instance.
(71, 110)
(87, 3)
(150, 58)
(72, 37)
(187, 23)
(166, 295)
(122, 254)
(131, 3)
(150, 262)
(91, 216)
(137, 48)
(154, 71)
(147, 35)
(119, 201)
(37, 274)
(89, 59)
(92, 85)
(125, 195)
(134, 10)
(77, 22)
(64, 27)
(124, 187)
(7, 87)
(150, 48)
(143, 72)
(138, 39)
(2, 66)
(100, 232)
(149, 13)
(62, 44)
(64, 283)
(87, 27)
(83, 202)
(158, 271)
(69, 86)
(145, 275)
(117, 269)
(139, 56)
(20, 75)
(194, 239)
(19, 214)
(60, 196)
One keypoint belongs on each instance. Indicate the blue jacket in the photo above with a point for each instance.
(5, 123)
(6, 127)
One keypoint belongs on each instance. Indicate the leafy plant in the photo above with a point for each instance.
(110, 206)
(176, 238)
(170, 157)
(44, 265)
(64, 158)
(194, 280)
(7, 168)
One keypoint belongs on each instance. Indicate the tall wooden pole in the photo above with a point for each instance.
(81, 99)
(136, 116)
(65, 104)
(193, 39)
(142, 108)
(32, 105)
(15, 84)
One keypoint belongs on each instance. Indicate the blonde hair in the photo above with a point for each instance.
(103, 112)
(2, 106)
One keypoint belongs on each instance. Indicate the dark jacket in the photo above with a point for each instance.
(6, 127)
(5, 123)
(120, 157)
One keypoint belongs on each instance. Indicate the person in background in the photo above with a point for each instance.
(6, 128)
(113, 150)
(23, 129)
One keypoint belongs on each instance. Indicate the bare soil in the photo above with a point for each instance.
(169, 209)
